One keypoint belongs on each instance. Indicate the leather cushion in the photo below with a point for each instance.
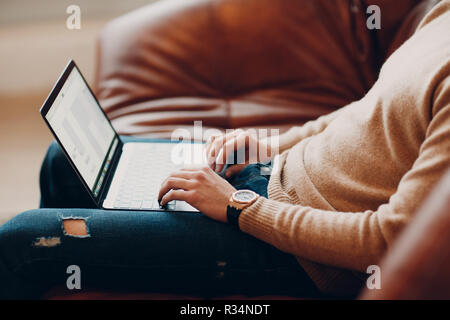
(235, 63)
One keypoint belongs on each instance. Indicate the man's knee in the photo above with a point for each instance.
(50, 158)
(54, 158)
(75, 227)
(60, 185)
(48, 173)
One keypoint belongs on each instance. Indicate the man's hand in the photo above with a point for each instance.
(202, 188)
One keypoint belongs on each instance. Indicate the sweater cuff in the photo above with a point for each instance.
(258, 219)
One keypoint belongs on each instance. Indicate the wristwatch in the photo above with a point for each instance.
(239, 200)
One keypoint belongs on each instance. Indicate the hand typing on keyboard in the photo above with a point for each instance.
(201, 187)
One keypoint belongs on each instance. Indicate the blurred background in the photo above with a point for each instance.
(35, 45)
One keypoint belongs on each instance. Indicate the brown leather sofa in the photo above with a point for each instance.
(243, 63)
(258, 64)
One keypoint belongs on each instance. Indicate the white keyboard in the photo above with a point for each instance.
(148, 167)
(142, 169)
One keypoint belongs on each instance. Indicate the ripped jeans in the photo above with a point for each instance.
(180, 253)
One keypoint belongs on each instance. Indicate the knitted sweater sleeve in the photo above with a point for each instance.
(296, 134)
(355, 240)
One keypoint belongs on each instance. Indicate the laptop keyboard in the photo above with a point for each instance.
(148, 167)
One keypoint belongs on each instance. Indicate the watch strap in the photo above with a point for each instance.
(233, 215)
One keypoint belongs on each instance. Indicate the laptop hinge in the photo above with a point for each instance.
(110, 175)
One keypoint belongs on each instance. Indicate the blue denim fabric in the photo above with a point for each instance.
(253, 177)
(152, 251)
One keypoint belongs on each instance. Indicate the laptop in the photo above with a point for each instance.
(118, 175)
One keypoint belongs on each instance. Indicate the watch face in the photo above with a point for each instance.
(244, 196)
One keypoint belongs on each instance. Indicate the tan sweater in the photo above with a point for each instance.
(349, 182)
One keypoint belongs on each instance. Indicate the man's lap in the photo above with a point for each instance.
(174, 252)
(157, 250)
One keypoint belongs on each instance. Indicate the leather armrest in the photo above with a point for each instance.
(418, 265)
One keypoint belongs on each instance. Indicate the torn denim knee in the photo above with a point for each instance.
(75, 227)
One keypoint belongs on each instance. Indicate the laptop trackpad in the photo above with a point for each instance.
(184, 206)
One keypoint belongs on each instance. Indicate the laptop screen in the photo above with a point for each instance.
(83, 130)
